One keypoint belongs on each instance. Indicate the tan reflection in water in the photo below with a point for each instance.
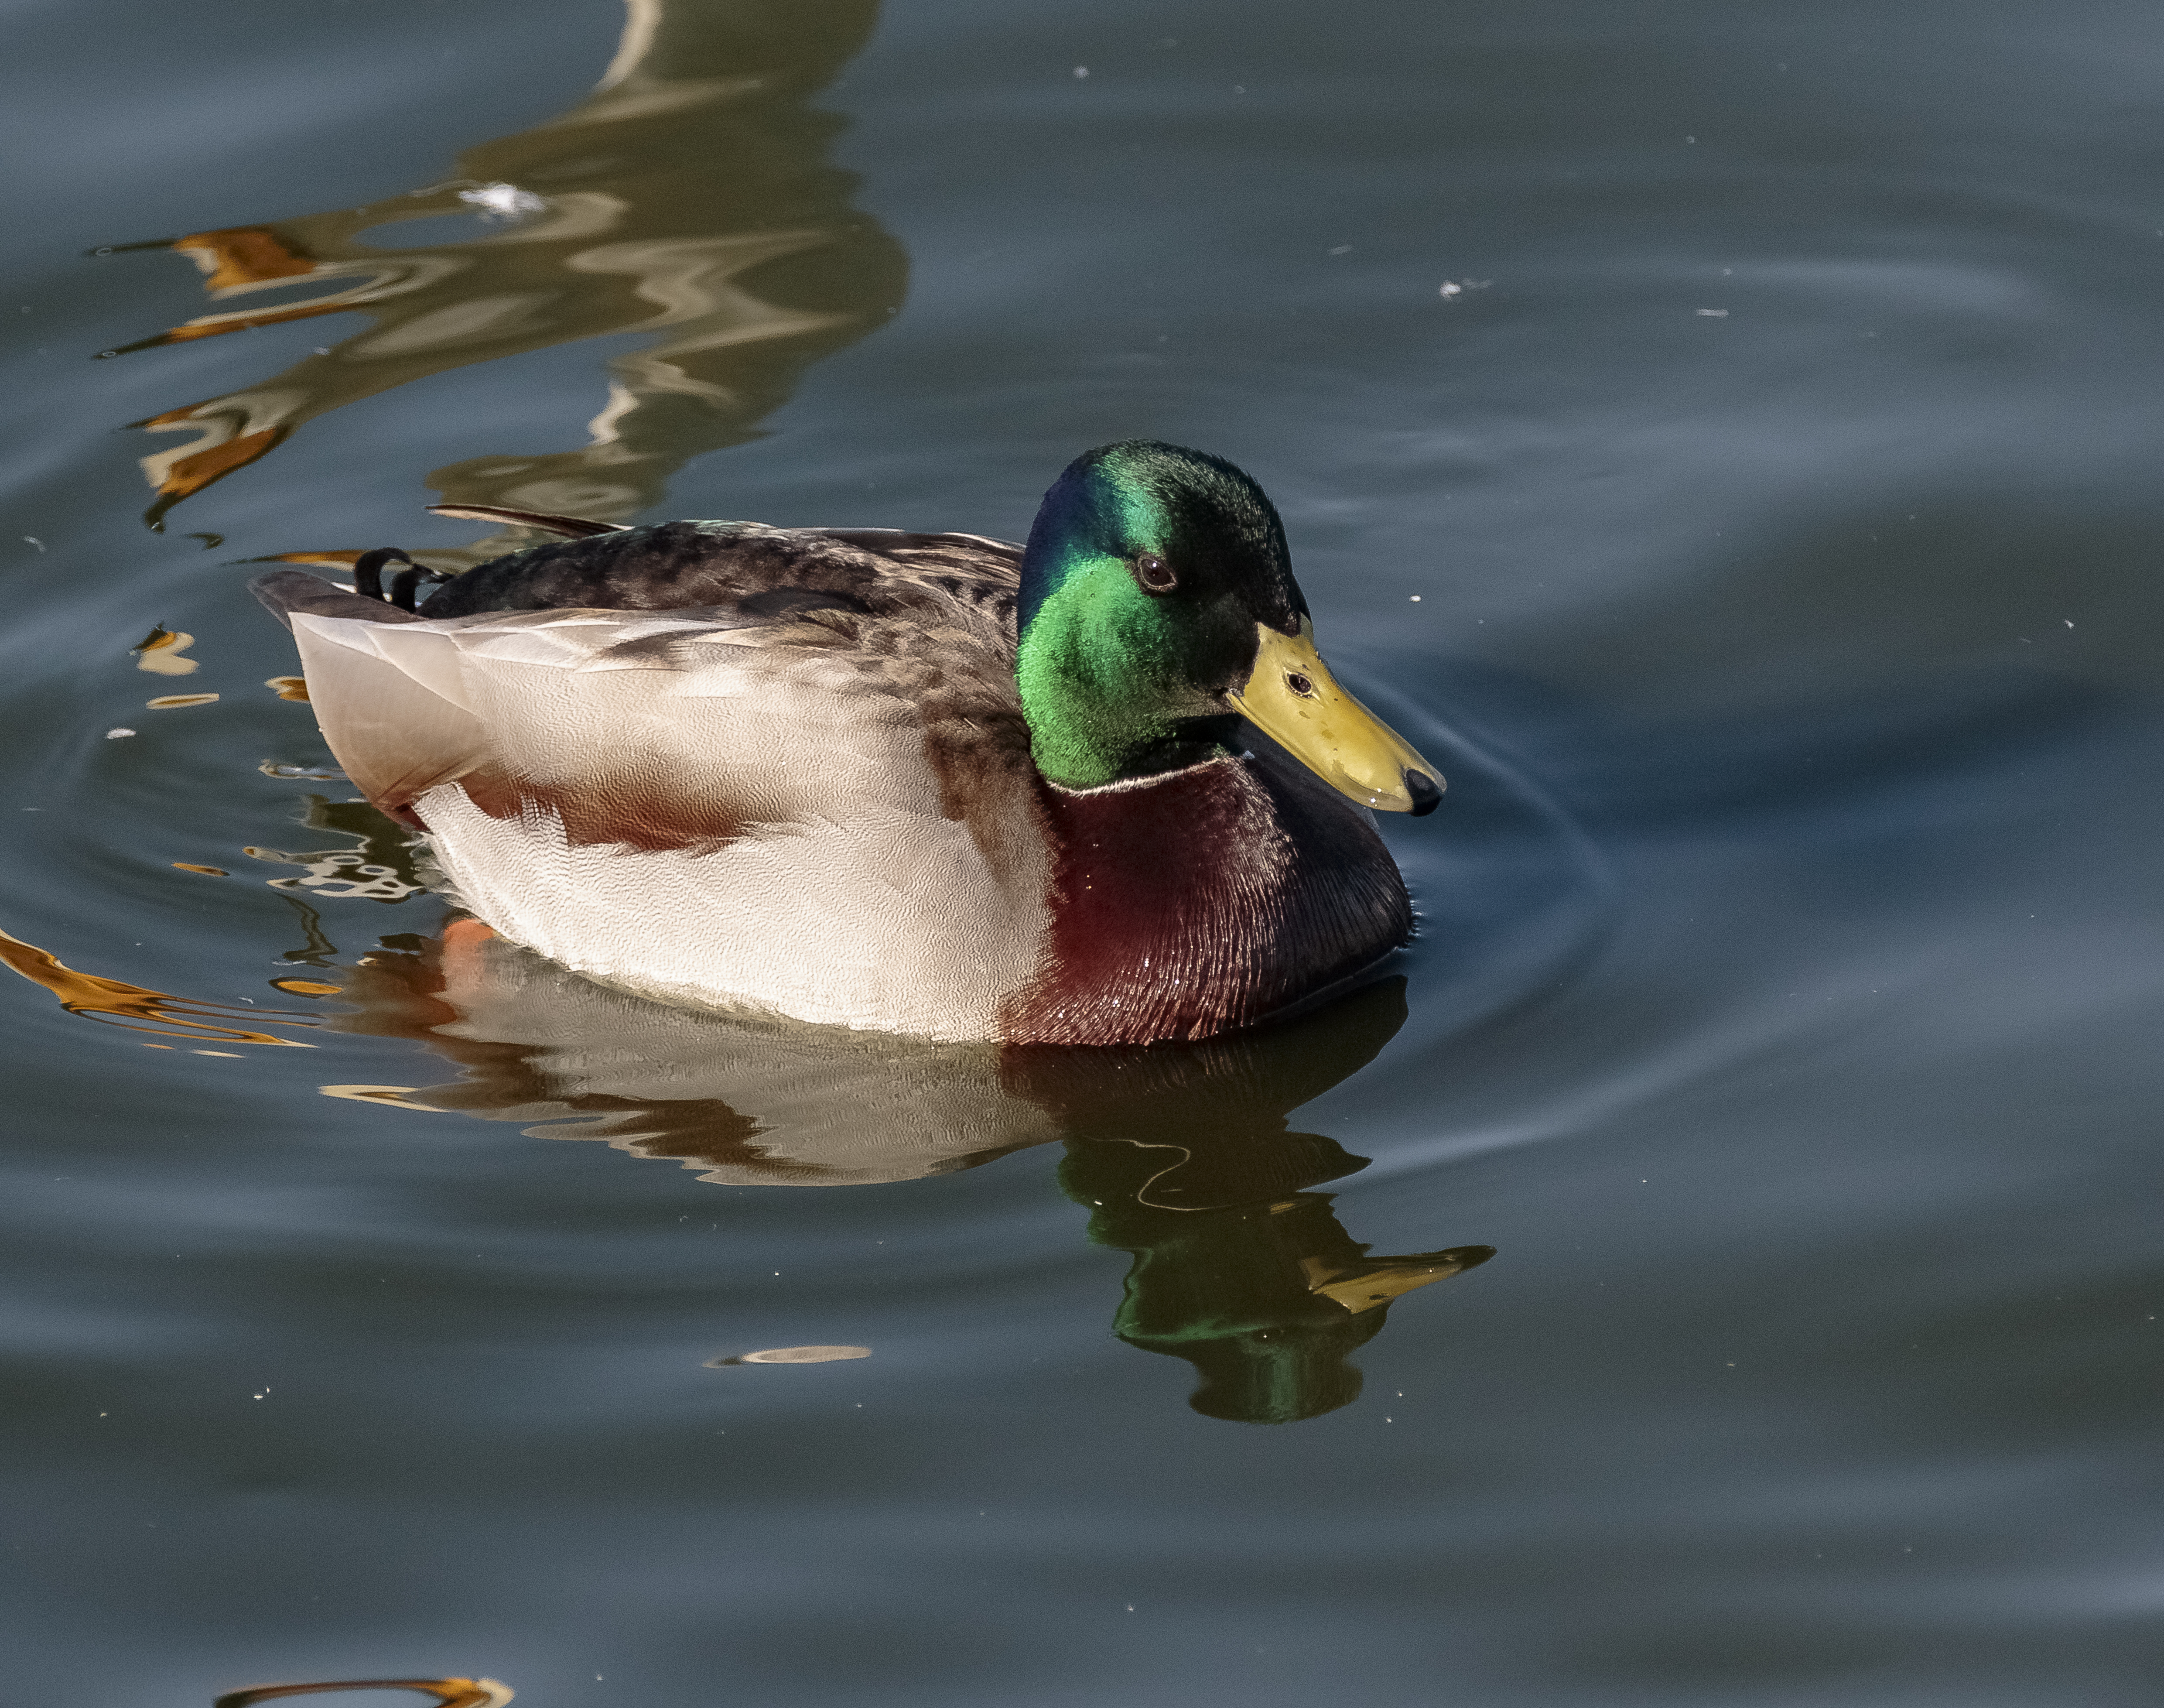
(1180, 1153)
(139, 1009)
(689, 197)
(161, 652)
(792, 1355)
(383, 1096)
(380, 868)
(450, 1693)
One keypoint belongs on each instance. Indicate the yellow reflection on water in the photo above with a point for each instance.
(450, 1693)
(689, 197)
(136, 1007)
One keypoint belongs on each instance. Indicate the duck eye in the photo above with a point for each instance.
(1300, 685)
(1155, 574)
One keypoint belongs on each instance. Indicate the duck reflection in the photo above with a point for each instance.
(1181, 1153)
(1265, 1295)
(1183, 1158)
(688, 196)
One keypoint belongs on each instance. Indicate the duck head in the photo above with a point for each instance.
(1158, 609)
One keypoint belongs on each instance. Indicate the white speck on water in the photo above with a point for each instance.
(32, 540)
(1714, 313)
(503, 200)
(1451, 287)
(1080, 72)
(115, 734)
(2068, 621)
(322, 349)
(1414, 597)
(1343, 249)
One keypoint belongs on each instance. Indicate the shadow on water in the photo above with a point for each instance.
(689, 198)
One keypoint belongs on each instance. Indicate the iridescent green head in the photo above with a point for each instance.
(1146, 572)
(1158, 608)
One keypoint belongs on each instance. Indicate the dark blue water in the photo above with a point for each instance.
(1725, 440)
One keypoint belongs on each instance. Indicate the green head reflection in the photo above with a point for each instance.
(1183, 1158)
(1267, 1301)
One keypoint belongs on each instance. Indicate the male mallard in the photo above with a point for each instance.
(930, 784)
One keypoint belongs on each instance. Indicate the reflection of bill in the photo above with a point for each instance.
(689, 198)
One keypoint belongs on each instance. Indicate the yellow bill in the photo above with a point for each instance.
(1293, 699)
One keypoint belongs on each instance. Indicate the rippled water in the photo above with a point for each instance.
(1724, 440)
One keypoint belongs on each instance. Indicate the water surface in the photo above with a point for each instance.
(1725, 440)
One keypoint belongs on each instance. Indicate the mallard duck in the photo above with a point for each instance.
(928, 784)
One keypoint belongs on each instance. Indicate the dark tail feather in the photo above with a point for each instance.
(570, 527)
(287, 591)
